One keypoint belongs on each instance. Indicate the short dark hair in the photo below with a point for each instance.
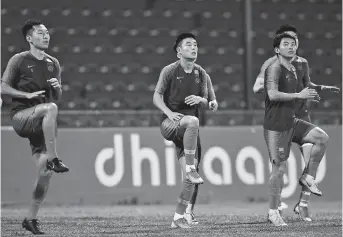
(29, 25)
(285, 28)
(279, 37)
(182, 37)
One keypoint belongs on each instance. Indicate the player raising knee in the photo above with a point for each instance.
(301, 112)
(281, 126)
(180, 90)
(33, 80)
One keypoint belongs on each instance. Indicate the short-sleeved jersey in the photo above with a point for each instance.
(279, 115)
(26, 73)
(175, 85)
(302, 69)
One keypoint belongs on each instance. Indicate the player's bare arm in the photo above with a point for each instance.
(162, 84)
(259, 83)
(212, 104)
(273, 74)
(8, 81)
(319, 88)
(56, 84)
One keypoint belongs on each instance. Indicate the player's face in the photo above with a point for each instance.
(287, 48)
(39, 37)
(291, 33)
(188, 49)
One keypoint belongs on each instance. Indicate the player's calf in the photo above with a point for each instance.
(319, 139)
(182, 202)
(190, 137)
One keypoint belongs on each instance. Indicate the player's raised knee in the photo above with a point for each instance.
(324, 137)
(52, 107)
(321, 135)
(191, 121)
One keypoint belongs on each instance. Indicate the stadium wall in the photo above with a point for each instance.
(136, 166)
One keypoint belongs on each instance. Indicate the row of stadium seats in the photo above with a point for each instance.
(112, 53)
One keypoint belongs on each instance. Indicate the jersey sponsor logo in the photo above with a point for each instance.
(179, 78)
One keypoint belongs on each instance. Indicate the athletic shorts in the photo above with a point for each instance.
(303, 128)
(172, 132)
(27, 124)
(279, 142)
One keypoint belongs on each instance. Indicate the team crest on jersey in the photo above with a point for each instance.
(196, 73)
(281, 153)
(50, 67)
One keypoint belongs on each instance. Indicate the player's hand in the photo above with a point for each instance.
(192, 100)
(315, 100)
(308, 93)
(174, 116)
(54, 83)
(213, 105)
(35, 94)
(334, 89)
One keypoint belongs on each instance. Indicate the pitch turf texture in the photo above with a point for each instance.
(229, 219)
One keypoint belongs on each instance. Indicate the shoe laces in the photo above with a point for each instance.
(194, 174)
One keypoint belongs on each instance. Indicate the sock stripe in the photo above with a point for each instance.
(189, 152)
(306, 144)
(181, 201)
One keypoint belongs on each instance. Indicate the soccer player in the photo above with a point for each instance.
(281, 126)
(180, 90)
(33, 80)
(213, 105)
(301, 112)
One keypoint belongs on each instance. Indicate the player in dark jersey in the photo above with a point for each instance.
(301, 112)
(180, 90)
(281, 126)
(33, 80)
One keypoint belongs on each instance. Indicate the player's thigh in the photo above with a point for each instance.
(184, 122)
(26, 122)
(315, 135)
(303, 126)
(306, 132)
(278, 144)
(169, 129)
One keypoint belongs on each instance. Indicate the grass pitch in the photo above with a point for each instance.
(226, 219)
